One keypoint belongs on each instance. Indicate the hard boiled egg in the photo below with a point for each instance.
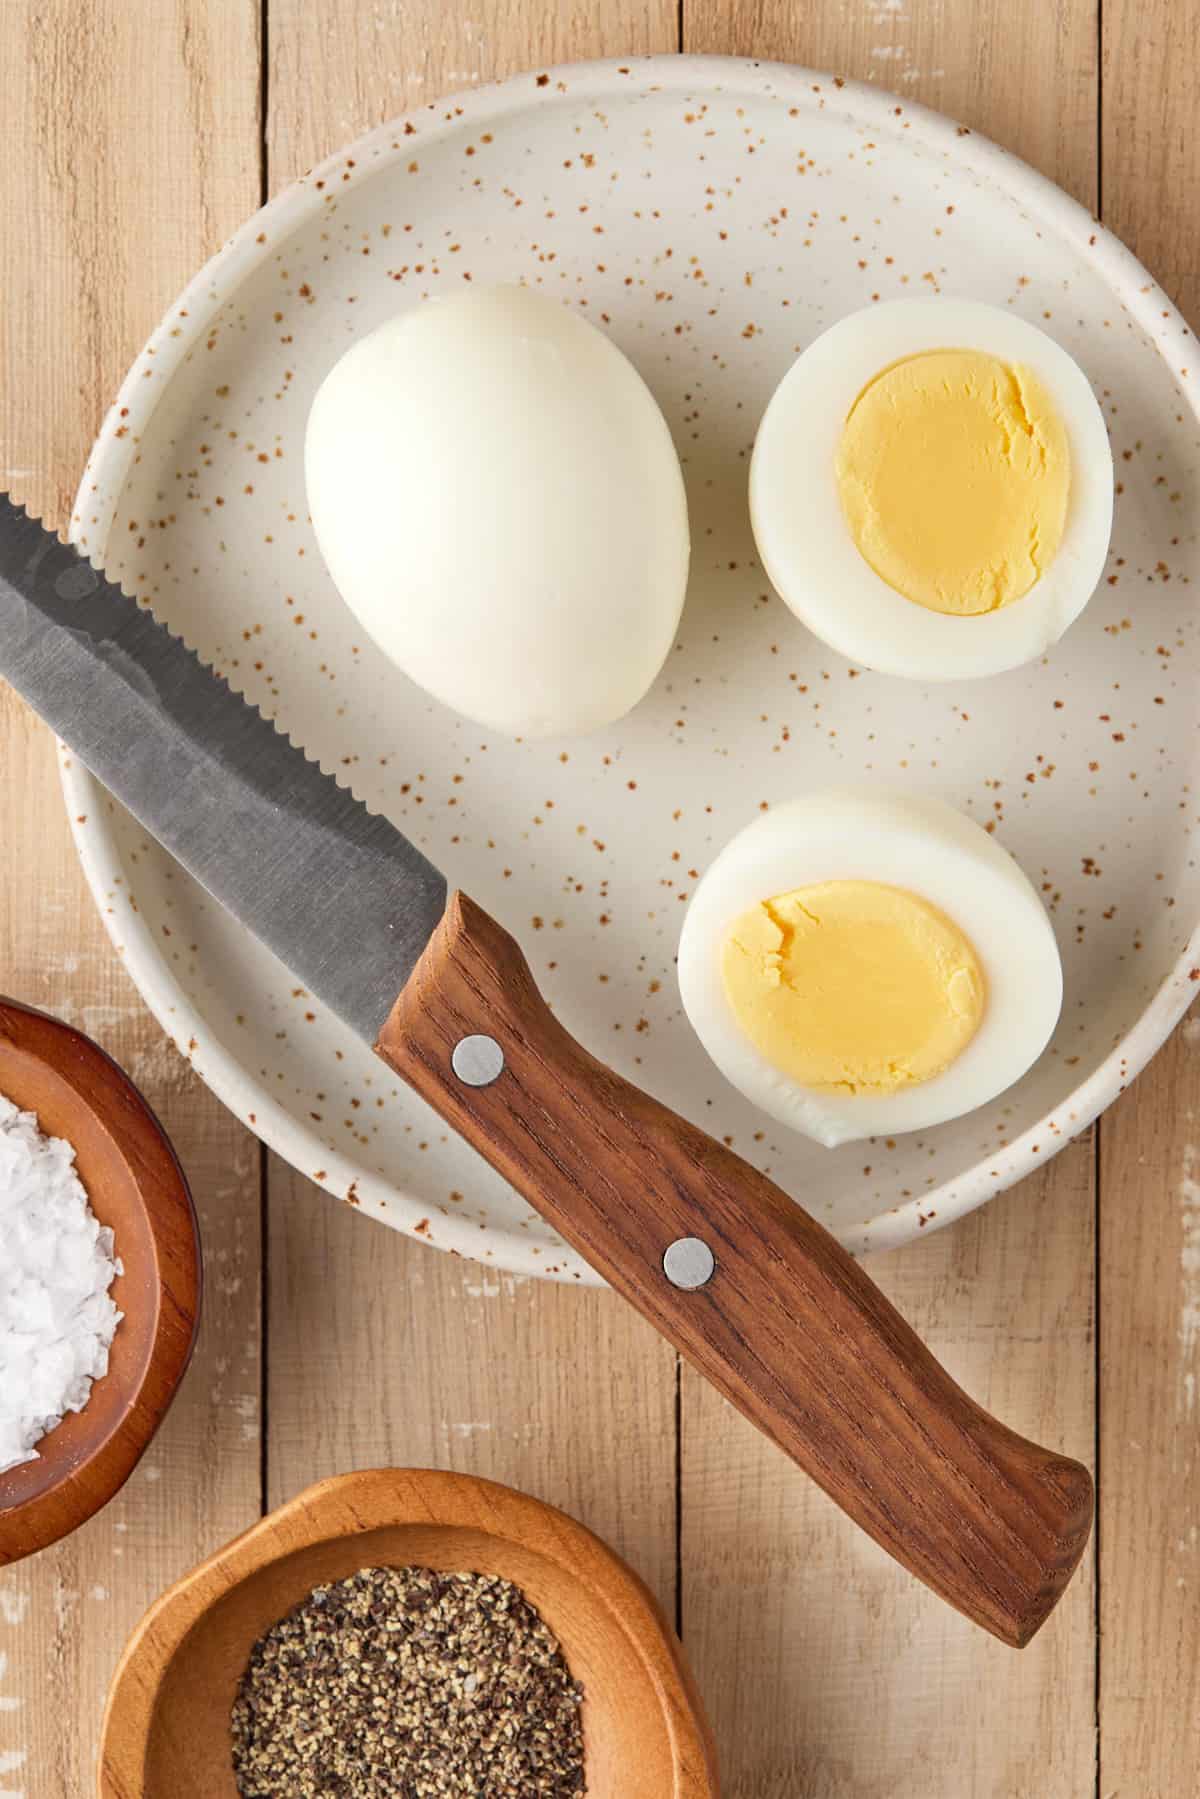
(863, 963)
(932, 488)
(498, 500)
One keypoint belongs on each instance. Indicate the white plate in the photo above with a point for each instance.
(713, 216)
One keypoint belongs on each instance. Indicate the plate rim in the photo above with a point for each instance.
(114, 452)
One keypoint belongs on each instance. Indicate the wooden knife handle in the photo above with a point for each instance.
(789, 1327)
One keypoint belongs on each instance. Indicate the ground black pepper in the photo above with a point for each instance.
(405, 1683)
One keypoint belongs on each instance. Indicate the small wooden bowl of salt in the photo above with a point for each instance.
(136, 1188)
(170, 1727)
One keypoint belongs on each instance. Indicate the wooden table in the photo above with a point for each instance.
(134, 136)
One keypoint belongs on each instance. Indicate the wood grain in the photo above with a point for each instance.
(826, 1671)
(65, 1613)
(383, 1353)
(128, 149)
(1025, 74)
(1149, 1697)
(375, 61)
(787, 1326)
(379, 1351)
(127, 152)
(1149, 1701)
(880, 1697)
(644, 1728)
(1149, 154)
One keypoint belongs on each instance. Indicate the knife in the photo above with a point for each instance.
(737, 1276)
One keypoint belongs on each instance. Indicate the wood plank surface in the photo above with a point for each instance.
(827, 1673)
(1025, 73)
(1150, 147)
(375, 61)
(131, 144)
(1149, 1458)
(126, 154)
(1149, 1225)
(383, 1354)
(377, 1350)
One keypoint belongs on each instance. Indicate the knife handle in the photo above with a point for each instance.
(788, 1326)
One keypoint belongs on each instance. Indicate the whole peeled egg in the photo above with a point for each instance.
(497, 497)
(864, 962)
(931, 489)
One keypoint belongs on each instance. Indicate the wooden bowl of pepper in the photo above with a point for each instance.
(135, 1186)
(276, 1619)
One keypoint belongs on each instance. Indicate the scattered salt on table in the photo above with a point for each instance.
(56, 1266)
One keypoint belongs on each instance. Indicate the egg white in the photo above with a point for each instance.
(902, 840)
(496, 495)
(805, 543)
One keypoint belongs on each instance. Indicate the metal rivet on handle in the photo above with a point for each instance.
(689, 1263)
(477, 1061)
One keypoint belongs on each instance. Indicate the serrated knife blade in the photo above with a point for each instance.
(344, 899)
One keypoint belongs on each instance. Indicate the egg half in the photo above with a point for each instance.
(931, 489)
(861, 963)
(498, 500)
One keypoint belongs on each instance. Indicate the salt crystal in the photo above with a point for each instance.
(56, 1266)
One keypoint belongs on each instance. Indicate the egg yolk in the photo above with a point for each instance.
(853, 986)
(954, 472)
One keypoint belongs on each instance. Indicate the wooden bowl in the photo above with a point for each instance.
(166, 1727)
(134, 1184)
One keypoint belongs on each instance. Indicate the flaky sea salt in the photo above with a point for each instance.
(56, 1266)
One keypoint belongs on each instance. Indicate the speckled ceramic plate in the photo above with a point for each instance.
(712, 216)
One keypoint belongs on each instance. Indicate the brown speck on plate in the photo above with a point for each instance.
(339, 697)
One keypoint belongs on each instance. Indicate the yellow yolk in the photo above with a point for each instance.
(852, 985)
(954, 471)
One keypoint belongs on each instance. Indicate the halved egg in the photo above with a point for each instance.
(861, 963)
(932, 489)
